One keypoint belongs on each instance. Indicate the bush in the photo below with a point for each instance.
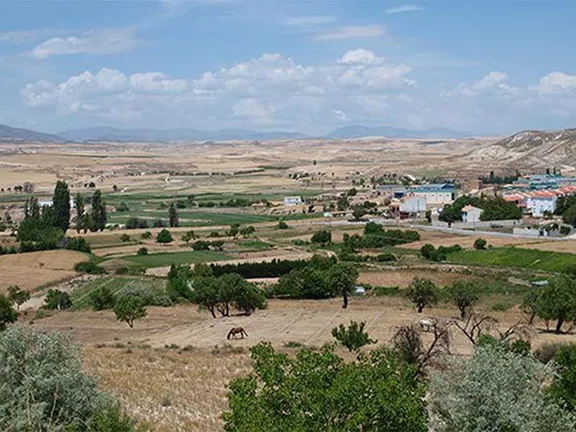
(134, 223)
(480, 244)
(7, 313)
(158, 223)
(282, 225)
(78, 244)
(45, 388)
(386, 291)
(102, 299)
(125, 238)
(385, 257)
(164, 236)
(353, 337)
(142, 251)
(56, 299)
(547, 351)
(89, 267)
(123, 207)
(146, 235)
(427, 251)
(565, 230)
(322, 237)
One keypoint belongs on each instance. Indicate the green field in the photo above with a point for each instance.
(167, 259)
(253, 244)
(515, 257)
(81, 297)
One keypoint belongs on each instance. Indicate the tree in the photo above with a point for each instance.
(28, 188)
(124, 238)
(352, 192)
(480, 244)
(179, 283)
(247, 231)
(422, 293)
(322, 237)
(495, 390)
(358, 212)
(98, 214)
(164, 236)
(530, 304)
(189, 235)
(146, 235)
(173, 215)
(45, 388)
(17, 295)
(564, 385)
(7, 313)
(102, 299)
(569, 216)
(342, 203)
(352, 337)
(123, 207)
(234, 230)
(557, 301)
(56, 299)
(427, 251)
(61, 204)
(341, 279)
(463, 295)
(129, 308)
(142, 251)
(282, 225)
(319, 391)
(206, 294)
(80, 216)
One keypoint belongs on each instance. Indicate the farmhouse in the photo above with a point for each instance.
(471, 214)
(292, 201)
(412, 205)
(435, 194)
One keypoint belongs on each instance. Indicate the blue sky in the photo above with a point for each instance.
(307, 66)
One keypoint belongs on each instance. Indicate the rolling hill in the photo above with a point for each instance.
(8, 133)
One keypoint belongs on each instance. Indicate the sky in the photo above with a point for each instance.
(311, 66)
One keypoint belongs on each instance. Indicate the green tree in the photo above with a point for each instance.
(422, 293)
(61, 205)
(342, 279)
(322, 237)
(173, 216)
(564, 385)
(123, 207)
(124, 238)
(557, 301)
(189, 235)
(179, 284)
(164, 236)
(142, 251)
(17, 295)
(233, 231)
(358, 212)
(99, 216)
(247, 231)
(352, 192)
(7, 313)
(56, 299)
(495, 390)
(319, 391)
(102, 299)
(206, 294)
(464, 295)
(129, 308)
(427, 251)
(44, 387)
(342, 203)
(282, 225)
(352, 337)
(569, 216)
(80, 213)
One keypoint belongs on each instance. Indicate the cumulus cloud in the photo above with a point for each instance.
(557, 82)
(97, 41)
(351, 32)
(404, 9)
(360, 55)
(495, 82)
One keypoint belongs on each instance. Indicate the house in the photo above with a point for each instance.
(471, 214)
(293, 201)
(413, 205)
(541, 203)
(435, 194)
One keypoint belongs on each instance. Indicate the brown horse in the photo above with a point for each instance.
(234, 331)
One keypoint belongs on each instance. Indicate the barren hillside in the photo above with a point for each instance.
(530, 149)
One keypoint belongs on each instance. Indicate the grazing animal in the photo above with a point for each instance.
(427, 324)
(234, 331)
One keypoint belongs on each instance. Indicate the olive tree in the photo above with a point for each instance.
(319, 391)
(129, 308)
(422, 293)
(557, 301)
(463, 295)
(352, 337)
(495, 390)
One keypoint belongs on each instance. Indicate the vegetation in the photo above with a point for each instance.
(98, 216)
(251, 270)
(564, 385)
(422, 293)
(173, 216)
(313, 392)
(322, 237)
(282, 225)
(352, 337)
(56, 299)
(7, 313)
(102, 299)
(89, 267)
(168, 258)
(494, 209)
(142, 251)
(18, 296)
(134, 223)
(463, 295)
(61, 205)
(557, 301)
(45, 389)
(376, 237)
(164, 236)
(189, 235)
(129, 308)
(480, 244)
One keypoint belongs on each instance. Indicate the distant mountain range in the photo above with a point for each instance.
(159, 135)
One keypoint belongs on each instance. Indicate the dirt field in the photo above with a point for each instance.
(34, 269)
(403, 278)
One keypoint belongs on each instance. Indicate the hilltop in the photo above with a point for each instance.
(18, 134)
(531, 149)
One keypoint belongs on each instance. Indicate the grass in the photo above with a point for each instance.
(253, 244)
(166, 259)
(81, 296)
(531, 259)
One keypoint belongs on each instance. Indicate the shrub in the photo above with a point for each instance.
(547, 351)
(89, 267)
(18, 296)
(135, 222)
(282, 225)
(385, 257)
(480, 244)
(7, 313)
(123, 207)
(502, 306)
(56, 299)
(44, 387)
(158, 223)
(164, 236)
(125, 238)
(78, 244)
(322, 237)
(188, 236)
(142, 251)
(352, 337)
(102, 299)
(386, 291)
(146, 235)
(427, 251)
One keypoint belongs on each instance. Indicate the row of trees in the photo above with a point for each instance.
(494, 209)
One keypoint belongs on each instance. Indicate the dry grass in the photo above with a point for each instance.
(403, 278)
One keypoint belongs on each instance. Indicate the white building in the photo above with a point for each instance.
(471, 214)
(435, 194)
(541, 204)
(413, 205)
(292, 201)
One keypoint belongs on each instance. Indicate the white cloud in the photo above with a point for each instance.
(341, 115)
(254, 110)
(360, 55)
(495, 82)
(20, 36)
(404, 9)
(97, 41)
(557, 82)
(351, 32)
(157, 82)
(309, 20)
